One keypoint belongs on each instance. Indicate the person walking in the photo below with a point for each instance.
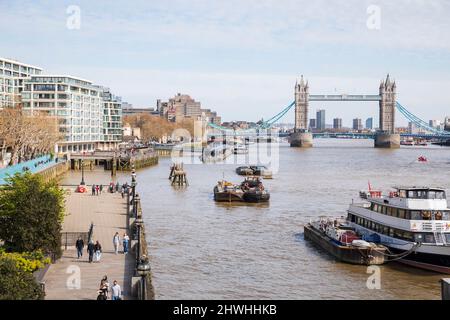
(93, 189)
(117, 186)
(97, 189)
(116, 241)
(98, 251)
(101, 189)
(116, 291)
(125, 241)
(80, 246)
(90, 250)
(104, 287)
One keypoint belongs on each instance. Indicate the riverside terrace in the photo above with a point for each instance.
(34, 166)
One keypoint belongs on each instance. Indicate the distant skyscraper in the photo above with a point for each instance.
(369, 123)
(312, 123)
(320, 119)
(447, 124)
(337, 123)
(434, 123)
(357, 124)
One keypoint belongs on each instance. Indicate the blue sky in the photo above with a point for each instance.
(242, 57)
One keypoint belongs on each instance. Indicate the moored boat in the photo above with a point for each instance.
(412, 222)
(254, 170)
(250, 190)
(343, 242)
(226, 191)
(254, 190)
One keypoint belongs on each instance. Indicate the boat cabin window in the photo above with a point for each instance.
(429, 238)
(423, 194)
(436, 195)
(416, 215)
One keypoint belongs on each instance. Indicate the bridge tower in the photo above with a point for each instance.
(386, 137)
(301, 137)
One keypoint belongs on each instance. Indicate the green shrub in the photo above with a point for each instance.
(16, 283)
(31, 214)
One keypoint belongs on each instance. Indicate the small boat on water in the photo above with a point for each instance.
(254, 190)
(240, 149)
(250, 190)
(342, 241)
(422, 159)
(254, 170)
(407, 142)
(228, 192)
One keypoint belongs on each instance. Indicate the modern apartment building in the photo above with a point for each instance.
(112, 121)
(12, 76)
(88, 116)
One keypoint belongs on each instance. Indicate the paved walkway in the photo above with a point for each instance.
(108, 213)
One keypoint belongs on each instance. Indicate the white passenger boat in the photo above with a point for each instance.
(413, 222)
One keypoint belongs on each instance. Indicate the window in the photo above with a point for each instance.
(395, 212)
(44, 87)
(415, 215)
(429, 238)
(402, 213)
(389, 211)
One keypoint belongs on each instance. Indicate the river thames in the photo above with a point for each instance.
(204, 250)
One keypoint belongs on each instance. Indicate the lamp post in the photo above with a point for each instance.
(82, 173)
(133, 187)
(138, 223)
(143, 269)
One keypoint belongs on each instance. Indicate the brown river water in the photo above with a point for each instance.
(204, 250)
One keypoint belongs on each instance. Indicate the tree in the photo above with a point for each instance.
(17, 283)
(154, 127)
(31, 214)
(27, 135)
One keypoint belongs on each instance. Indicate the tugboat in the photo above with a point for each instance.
(343, 242)
(254, 170)
(250, 190)
(412, 222)
(254, 190)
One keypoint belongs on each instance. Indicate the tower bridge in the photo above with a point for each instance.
(385, 138)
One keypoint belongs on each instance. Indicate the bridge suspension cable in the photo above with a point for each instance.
(419, 122)
(271, 121)
(264, 125)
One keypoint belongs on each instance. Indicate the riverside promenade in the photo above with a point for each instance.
(77, 279)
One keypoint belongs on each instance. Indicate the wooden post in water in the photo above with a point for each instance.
(177, 175)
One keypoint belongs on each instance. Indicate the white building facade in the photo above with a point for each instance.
(79, 107)
(12, 76)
